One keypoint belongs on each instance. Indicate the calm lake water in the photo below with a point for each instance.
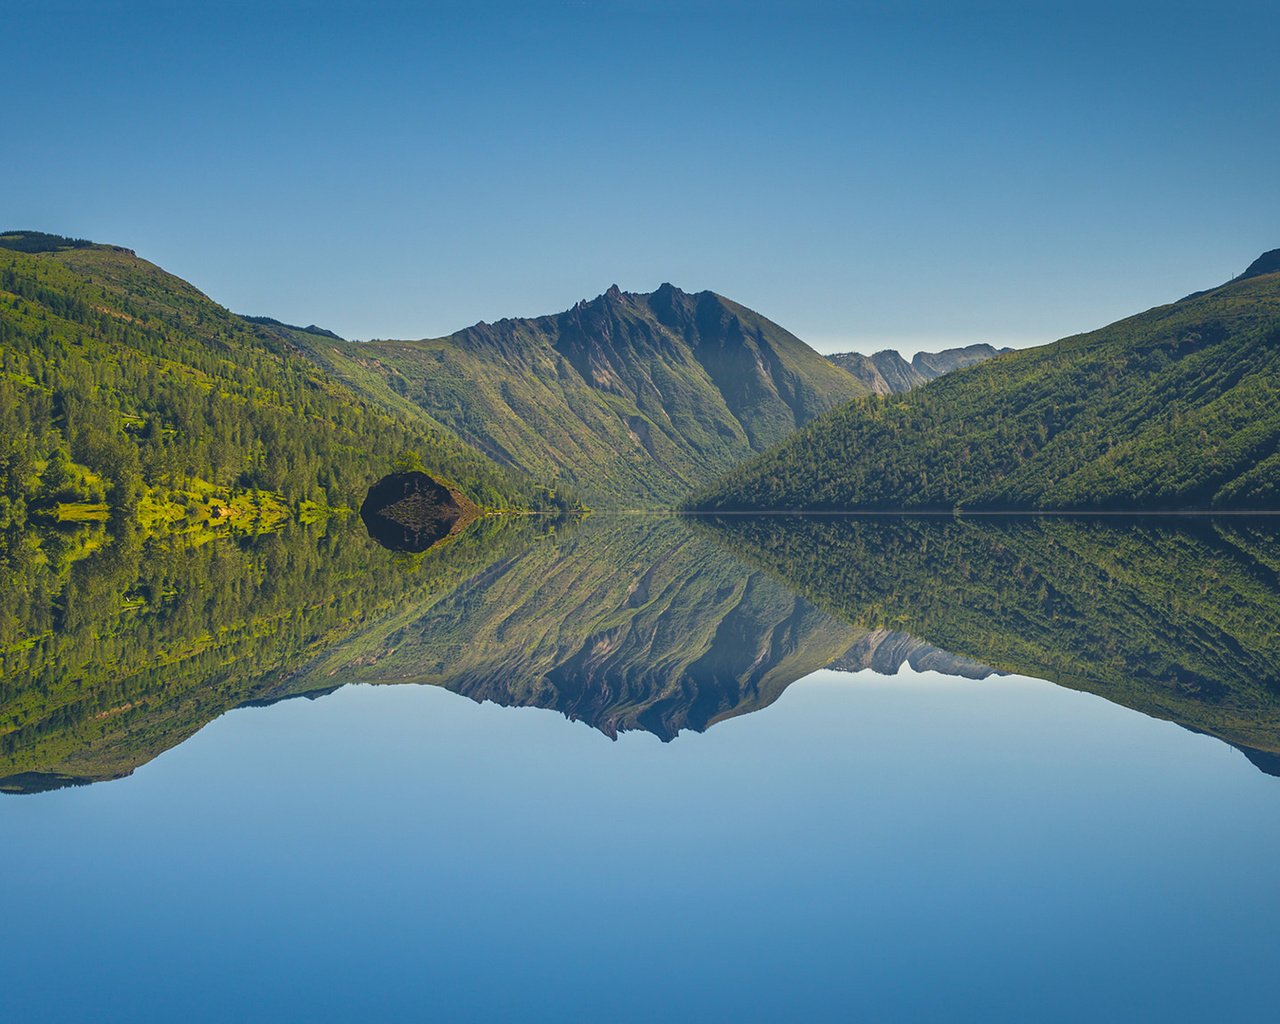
(823, 769)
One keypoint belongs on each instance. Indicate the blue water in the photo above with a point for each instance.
(868, 848)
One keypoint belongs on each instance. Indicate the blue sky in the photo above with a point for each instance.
(868, 175)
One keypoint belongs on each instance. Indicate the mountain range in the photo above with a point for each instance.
(140, 421)
(121, 384)
(631, 400)
(125, 390)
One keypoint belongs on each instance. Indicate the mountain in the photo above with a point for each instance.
(621, 622)
(888, 373)
(1175, 408)
(122, 385)
(630, 399)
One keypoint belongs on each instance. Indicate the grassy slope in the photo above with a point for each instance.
(1178, 407)
(629, 399)
(135, 374)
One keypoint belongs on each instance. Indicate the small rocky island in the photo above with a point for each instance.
(411, 511)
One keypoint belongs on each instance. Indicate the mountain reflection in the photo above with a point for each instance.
(624, 623)
(115, 647)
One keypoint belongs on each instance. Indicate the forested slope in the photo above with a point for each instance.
(118, 379)
(1175, 408)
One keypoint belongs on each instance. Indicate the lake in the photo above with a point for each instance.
(822, 768)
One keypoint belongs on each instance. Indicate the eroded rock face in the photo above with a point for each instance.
(887, 373)
(410, 511)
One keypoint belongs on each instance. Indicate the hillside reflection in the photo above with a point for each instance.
(115, 647)
(1176, 617)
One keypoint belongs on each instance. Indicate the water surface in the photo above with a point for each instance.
(752, 770)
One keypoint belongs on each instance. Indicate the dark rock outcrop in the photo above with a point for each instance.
(411, 511)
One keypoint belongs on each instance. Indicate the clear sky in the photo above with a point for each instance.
(868, 175)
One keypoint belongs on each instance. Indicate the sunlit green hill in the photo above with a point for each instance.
(1175, 408)
(118, 379)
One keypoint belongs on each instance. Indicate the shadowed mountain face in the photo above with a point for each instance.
(631, 400)
(888, 373)
(1177, 619)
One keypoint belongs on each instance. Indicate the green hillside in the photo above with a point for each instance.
(632, 400)
(119, 381)
(1176, 408)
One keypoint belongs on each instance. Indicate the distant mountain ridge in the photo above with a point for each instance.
(886, 651)
(887, 372)
(631, 399)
